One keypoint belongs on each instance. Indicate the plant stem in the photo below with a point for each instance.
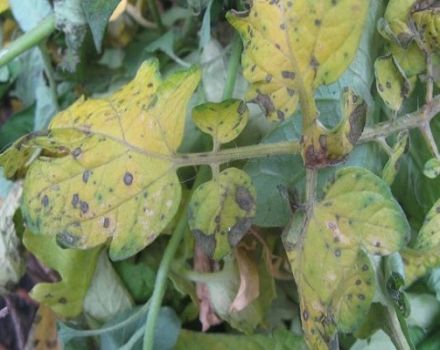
(410, 121)
(164, 267)
(27, 40)
(233, 64)
(231, 154)
(152, 5)
(50, 75)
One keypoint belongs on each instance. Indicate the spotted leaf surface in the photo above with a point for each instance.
(427, 23)
(106, 171)
(221, 211)
(291, 47)
(390, 83)
(335, 282)
(396, 16)
(424, 253)
(75, 267)
(223, 121)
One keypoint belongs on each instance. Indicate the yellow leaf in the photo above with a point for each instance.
(43, 334)
(293, 46)
(4, 5)
(106, 172)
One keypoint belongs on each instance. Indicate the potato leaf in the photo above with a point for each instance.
(43, 334)
(223, 121)
(292, 47)
(106, 171)
(423, 254)
(221, 212)
(427, 24)
(396, 15)
(76, 268)
(358, 214)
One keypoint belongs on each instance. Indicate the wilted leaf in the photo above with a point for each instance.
(392, 166)
(75, 267)
(336, 285)
(43, 334)
(280, 339)
(108, 172)
(223, 121)
(11, 262)
(97, 13)
(390, 83)
(221, 212)
(292, 47)
(423, 254)
(432, 168)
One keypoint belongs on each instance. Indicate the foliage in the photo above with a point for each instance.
(268, 169)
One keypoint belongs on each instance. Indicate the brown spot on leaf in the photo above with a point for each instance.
(106, 223)
(128, 178)
(288, 75)
(75, 200)
(305, 315)
(266, 104)
(317, 22)
(76, 152)
(84, 207)
(314, 63)
(45, 201)
(244, 198)
(86, 176)
(62, 300)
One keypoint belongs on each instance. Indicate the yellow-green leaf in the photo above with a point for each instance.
(427, 23)
(392, 166)
(75, 267)
(4, 5)
(221, 211)
(224, 121)
(106, 172)
(293, 46)
(391, 85)
(410, 59)
(397, 16)
(424, 253)
(432, 168)
(358, 214)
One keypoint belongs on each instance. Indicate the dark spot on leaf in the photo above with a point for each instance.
(67, 239)
(305, 315)
(334, 2)
(280, 115)
(206, 242)
(358, 282)
(45, 201)
(106, 223)
(62, 300)
(244, 198)
(380, 87)
(314, 63)
(268, 78)
(377, 244)
(75, 200)
(388, 85)
(287, 75)
(86, 176)
(241, 108)
(282, 26)
(317, 22)
(337, 252)
(237, 231)
(361, 297)
(150, 85)
(76, 152)
(84, 207)
(290, 92)
(128, 178)
(266, 104)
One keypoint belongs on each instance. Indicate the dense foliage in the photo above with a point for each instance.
(196, 174)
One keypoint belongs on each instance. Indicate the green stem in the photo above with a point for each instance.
(152, 5)
(231, 154)
(27, 40)
(50, 75)
(233, 64)
(164, 267)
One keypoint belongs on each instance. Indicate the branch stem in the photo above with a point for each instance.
(27, 40)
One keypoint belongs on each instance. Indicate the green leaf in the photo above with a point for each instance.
(221, 212)
(106, 296)
(357, 214)
(280, 339)
(97, 13)
(289, 50)
(392, 166)
(423, 254)
(223, 121)
(107, 177)
(432, 168)
(75, 267)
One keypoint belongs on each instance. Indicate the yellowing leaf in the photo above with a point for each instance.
(43, 334)
(106, 171)
(390, 83)
(397, 15)
(293, 46)
(221, 212)
(76, 268)
(223, 121)
(427, 23)
(327, 253)
(424, 253)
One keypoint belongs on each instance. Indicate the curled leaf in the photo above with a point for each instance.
(223, 121)
(106, 171)
(292, 47)
(221, 212)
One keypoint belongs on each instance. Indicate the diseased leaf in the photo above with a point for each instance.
(43, 334)
(427, 24)
(108, 170)
(223, 121)
(357, 214)
(280, 339)
(432, 168)
(397, 14)
(221, 212)
(97, 13)
(423, 254)
(292, 47)
(392, 166)
(76, 268)
(390, 84)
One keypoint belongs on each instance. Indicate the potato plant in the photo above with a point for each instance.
(225, 174)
